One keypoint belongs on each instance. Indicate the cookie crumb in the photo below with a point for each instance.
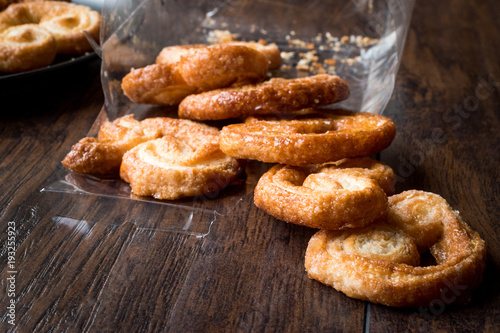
(221, 36)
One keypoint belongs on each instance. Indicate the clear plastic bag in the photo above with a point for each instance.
(359, 40)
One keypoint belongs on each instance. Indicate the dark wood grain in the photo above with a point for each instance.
(102, 264)
(447, 113)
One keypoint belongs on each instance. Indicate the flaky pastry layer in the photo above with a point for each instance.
(157, 84)
(26, 47)
(66, 22)
(311, 136)
(180, 71)
(222, 65)
(171, 168)
(275, 96)
(329, 196)
(367, 167)
(427, 220)
(102, 156)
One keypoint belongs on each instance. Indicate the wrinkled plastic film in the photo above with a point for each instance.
(359, 40)
(221, 203)
(193, 218)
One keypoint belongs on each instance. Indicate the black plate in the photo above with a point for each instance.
(38, 80)
(60, 63)
(29, 91)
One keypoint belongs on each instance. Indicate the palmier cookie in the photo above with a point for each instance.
(26, 47)
(188, 162)
(275, 96)
(222, 65)
(103, 155)
(380, 263)
(311, 136)
(329, 196)
(199, 69)
(66, 22)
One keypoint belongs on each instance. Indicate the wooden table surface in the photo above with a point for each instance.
(101, 264)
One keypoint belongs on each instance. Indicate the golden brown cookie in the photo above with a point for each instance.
(329, 196)
(311, 136)
(26, 47)
(66, 22)
(377, 263)
(33, 33)
(275, 96)
(186, 161)
(184, 70)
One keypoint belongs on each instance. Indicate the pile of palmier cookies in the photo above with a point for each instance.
(370, 241)
(33, 33)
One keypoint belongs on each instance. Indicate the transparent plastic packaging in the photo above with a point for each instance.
(360, 40)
